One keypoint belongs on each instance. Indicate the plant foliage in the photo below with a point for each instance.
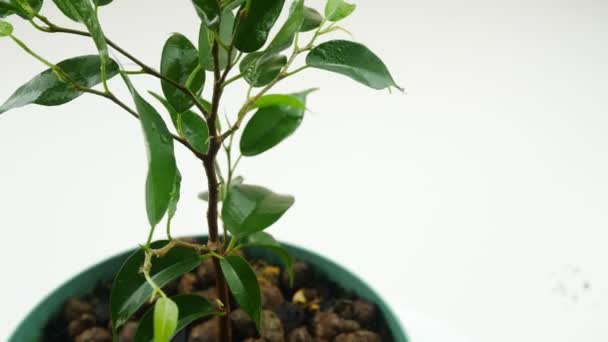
(237, 41)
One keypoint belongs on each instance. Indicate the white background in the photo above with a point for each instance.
(475, 203)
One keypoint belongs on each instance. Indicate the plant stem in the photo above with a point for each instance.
(52, 28)
(32, 53)
(232, 79)
(215, 143)
(284, 74)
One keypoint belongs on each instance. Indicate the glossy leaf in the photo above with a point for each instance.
(195, 130)
(260, 69)
(47, 90)
(175, 194)
(6, 9)
(286, 34)
(336, 10)
(272, 124)
(102, 2)
(278, 100)
(130, 289)
(254, 22)
(6, 29)
(9, 7)
(312, 19)
(189, 125)
(265, 240)
(209, 12)
(205, 39)
(83, 11)
(162, 167)
(353, 60)
(249, 209)
(166, 314)
(230, 5)
(191, 308)
(243, 284)
(68, 9)
(180, 61)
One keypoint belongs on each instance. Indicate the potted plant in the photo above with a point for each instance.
(235, 44)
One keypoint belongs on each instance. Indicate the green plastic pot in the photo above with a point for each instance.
(30, 330)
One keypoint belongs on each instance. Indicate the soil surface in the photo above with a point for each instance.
(314, 310)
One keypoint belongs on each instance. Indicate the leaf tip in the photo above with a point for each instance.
(6, 28)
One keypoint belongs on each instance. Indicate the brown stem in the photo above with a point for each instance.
(52, 28)
(224, 329)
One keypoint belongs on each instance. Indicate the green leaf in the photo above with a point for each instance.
(102, 2)
(68, 9)
(336, 10)
(180, 61)
(286, 34)
(205, 39)
(166, 314)
(249, 209)
(24, 8)
(265, 240)
(189, 125)
(130, 290)
(83, 11)
(191, 308)
(312, 19)
(243, 284)
(278, 100)
(195, 130)
(162, 167)
(47, 90)
(6, 29)
(6, 9)
(230, 5)
(260, 69)
(209, 12)
(175, 194)
(254, 22)
(272, 124)
(353, 60)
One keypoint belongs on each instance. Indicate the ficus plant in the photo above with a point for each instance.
(234, 44)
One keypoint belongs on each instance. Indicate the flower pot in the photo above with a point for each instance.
(30, 330)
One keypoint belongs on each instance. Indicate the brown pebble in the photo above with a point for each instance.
(359, 310)
(204, 332)
(95, 334)
(329, 324)
(206, 273)
(271, 327)
(75, 308)
(358, 336)
(291, 315)
(272, 298)
(242, 324)
(302, 276)
(300, 334)
(78, 326)
(127, 333)
(187, 284)
(364, 312)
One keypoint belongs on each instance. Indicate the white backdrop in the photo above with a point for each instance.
(475, 203)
